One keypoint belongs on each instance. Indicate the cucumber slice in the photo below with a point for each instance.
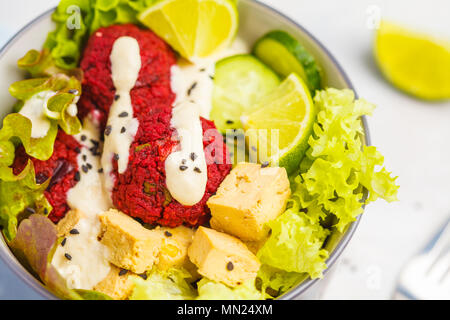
(285, 55)
(240, 82)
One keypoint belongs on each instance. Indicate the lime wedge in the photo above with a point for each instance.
(279, 127)
(415, 63)
(194, 28)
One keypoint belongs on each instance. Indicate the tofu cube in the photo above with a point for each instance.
(248, 198)
(117, 284)
(66, 224)
(132, 247)
(174, 248)
(222, 258)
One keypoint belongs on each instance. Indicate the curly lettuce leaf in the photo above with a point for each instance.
(40, 64)
(34, 246)
(210, 290)
(21, 197)
(338, 167)
(274, 282)
(164, 285)
(66, 90)
(76, 20)
(295, 243)
(17, 126)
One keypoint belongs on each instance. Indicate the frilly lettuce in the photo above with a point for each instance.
(34, 246)
(17, 128)
(341, 166)
(17, 196)
(210, 290)
(275, 282)
(40, 64)
(77, 19)
(295, 243)
(332, 179)
(164, 285)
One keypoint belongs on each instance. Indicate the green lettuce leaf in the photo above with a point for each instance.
(275, 282)
(295, 243)
(340, 166)
(164, 285)
(17, 128)
(210, 290)
(40, 64)
(19, 198)
(76, 20)
(34, 246)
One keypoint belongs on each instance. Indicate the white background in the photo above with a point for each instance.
(414, 136)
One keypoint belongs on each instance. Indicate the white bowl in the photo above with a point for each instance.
(256, 19)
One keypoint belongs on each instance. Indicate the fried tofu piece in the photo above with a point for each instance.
(222, 258)
(118, 284)
(132, 247)
(248, 198)
(174, 247)
(66, 224)
(254, 246)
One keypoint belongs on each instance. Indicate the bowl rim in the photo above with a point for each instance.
(35, 284)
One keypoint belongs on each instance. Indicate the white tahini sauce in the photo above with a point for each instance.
(193, 85)
(194, 81)
(33, 109)
(122, 126)
(89, 258)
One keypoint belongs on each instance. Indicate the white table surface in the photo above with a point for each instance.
(414, 136)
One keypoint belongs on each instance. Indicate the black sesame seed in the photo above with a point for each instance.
(202, 70)
(116, 97)
(183, 168)
(123, 272)
(84, 157)
(83, 138)
(167, 234)
(230, 121)
(123, 114)
(230, 266)
(73, 91)
(123, 130)
(63, 243)
(77, 176)
(30, 210)
(100, 170)
(197, 170)
(89, 166)
(254, 148)
(108, 130)
(84, 168)
(77, 150)
(68, 256)
(74, 231)
(183, 161)
(116, 157)
(45, 211)
(265, 164)
(143, 276)
(95, 142)
(211, 77)
(193, 156)
(192, 88)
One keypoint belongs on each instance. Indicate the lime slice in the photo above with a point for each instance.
(284, 54)
(413, 62)
(279, 128)
(194, 28)
(240, 82)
